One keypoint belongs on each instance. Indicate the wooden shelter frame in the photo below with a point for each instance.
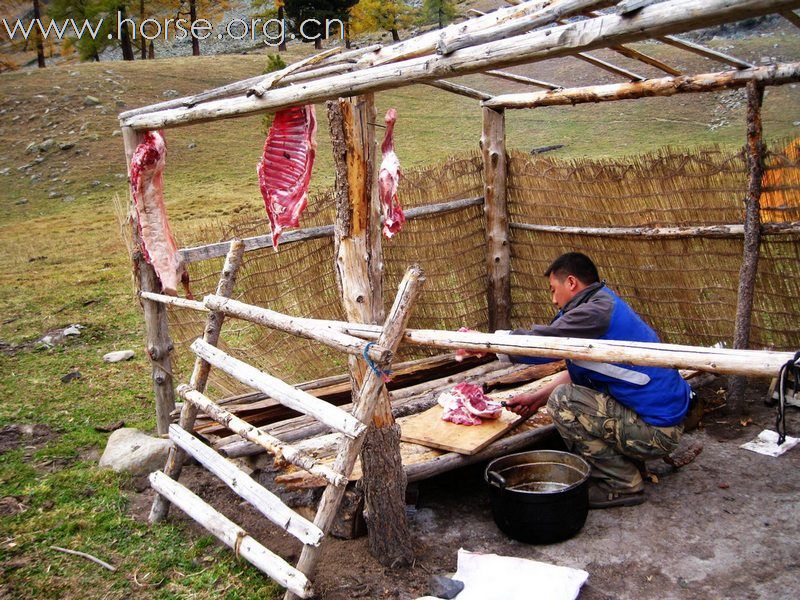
(524, 33)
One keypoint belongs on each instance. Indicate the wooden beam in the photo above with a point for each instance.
(671, 16)
(264, 501)
(756, 150)
(282, 392)
(208, 251)
(281, 450)
(158, 343)
(233, 536)
(498, 249)
(676, 356)
(270, 318)
(671, 40)
(733, 230)
(522, 79)
(646, 59)
(452, 39)
(607, 66)
(460, 90)
(665, 86)
(200, 372)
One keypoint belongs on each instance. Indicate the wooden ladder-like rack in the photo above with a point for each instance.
(351, 426)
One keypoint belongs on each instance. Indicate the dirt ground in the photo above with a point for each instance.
(725, 526)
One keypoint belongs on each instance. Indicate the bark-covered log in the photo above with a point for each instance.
(498, 249)
(752, 238)
(663, 86)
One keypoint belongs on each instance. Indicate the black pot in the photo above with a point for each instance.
(539, 497)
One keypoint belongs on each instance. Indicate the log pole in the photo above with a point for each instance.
(176, 456)
(359, 275)
(158, 343)
(752, 238)
(498, 249)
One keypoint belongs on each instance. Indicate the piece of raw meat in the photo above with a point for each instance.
(466, 404)
(147, 187)
(388, 178)
(284, 170)
(461, 354)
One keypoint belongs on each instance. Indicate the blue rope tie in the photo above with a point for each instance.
(384, 375)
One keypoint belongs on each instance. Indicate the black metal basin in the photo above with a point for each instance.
(539, 497)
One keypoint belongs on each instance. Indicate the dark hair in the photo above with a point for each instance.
(576, 264)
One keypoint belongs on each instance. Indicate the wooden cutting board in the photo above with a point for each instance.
(428, 429)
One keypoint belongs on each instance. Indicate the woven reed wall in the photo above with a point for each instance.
(685, 288)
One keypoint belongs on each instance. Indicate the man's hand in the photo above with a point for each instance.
(528, 403)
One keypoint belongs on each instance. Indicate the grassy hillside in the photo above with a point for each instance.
(62, 261)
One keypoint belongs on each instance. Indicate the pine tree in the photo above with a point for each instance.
(441, 12)
(37, 15)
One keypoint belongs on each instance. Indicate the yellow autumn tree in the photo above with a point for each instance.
(387, 15)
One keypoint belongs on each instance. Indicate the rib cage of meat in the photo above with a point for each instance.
(284, 170)
(388, 178)
(147, 188)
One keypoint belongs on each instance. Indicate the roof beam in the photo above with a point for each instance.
(671, 16)
(522, 79)
(707, 52)
(607, 66)
(461, 90)
(665, 86)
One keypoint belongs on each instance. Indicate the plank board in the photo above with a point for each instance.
(428, 429)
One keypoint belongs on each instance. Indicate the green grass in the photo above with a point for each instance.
(64, 262)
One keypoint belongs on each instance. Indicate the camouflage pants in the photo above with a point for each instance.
(611, 437)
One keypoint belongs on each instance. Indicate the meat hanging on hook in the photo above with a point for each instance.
(388, 179)
(284, 171)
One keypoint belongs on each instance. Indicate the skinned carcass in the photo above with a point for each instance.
(388, 178)
(284, 170)
(466, 404)
(147, 188)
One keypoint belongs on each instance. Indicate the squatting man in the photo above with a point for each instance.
(615, 416)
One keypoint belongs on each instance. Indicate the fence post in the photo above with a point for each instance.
(159, 345)
(752, 238)
(498, 249)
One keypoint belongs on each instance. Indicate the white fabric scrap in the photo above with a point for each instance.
(494, 577)
(767, 443)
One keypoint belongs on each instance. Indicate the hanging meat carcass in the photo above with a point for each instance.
(388, 178)
(147, 188)
(284, 170)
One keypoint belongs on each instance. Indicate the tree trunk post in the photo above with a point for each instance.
(125, 35)
(141, 20)
(752, 239)
(359, 271)
(498, 248)
(159, 345)
(282, 44)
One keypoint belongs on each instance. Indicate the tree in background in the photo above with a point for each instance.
(92, 11)
(204, 9)
(270, 9)
(439, 11)
(37, 15)
(300, 11)
(388, 15)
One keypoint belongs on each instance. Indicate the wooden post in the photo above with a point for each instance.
(176, 456)
(752, 238)
(359, 274)
(498, 249)
(159, 345)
